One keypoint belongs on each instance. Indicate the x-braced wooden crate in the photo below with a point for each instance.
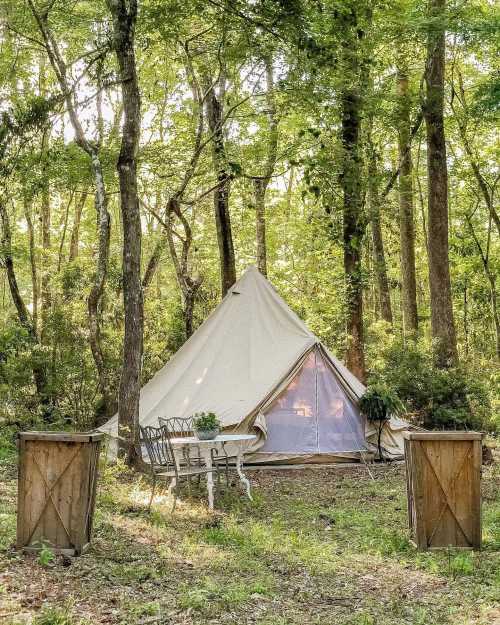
(57, 486)
(443, 473)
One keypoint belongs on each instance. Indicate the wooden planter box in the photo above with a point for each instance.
(56, 490)
(443, 475)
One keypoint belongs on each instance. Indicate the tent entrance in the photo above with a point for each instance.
(313, 414)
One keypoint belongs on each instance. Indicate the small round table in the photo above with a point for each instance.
(240, 441)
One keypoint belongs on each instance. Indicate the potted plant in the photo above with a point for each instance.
(206, 425)
(377, 405)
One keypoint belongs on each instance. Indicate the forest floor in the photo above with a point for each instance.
(316, 546)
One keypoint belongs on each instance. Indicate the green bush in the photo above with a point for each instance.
(454, 398)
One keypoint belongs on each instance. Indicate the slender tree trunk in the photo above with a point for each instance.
(259, 186)
(25, 319)
(63, 235)
(101, 203)
(406, 218)
(45, 219)
(380, 265)
(221, 193)
(124, 19)
(491, 277)
(28, 206)
(154, 262)
(442, 322)
(189, 301)
(188, 285)
(262, 182)
(468, 147)
(494, 309)
(94, 301)
(75, 231)
(466, 320)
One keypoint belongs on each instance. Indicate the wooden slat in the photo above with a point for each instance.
(21, 495)
(443, 436)
(76, 437)
(56, 492)
(419, 495)
(476, 513)
(443, 483)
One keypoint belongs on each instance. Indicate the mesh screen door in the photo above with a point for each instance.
(314, 414)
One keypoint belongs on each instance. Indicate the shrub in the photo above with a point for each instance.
(454, 398)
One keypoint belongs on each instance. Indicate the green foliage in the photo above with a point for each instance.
(454, 398)
(45, 555)
(54, 616)
(307, 44)
(461, 563)
(379, 403)
(206, 421)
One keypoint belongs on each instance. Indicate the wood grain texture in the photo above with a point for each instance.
(56, 494)
(443, 485)
(443, 436)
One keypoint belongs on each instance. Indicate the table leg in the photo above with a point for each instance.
(243, 478)
(210, 478)
(172, 485)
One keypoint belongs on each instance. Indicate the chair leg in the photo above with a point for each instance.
(172, 490)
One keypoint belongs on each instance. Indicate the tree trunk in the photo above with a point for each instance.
(491, 277)
(259, 186)
(94, 301)
(28, 204)
(75, 231)
(221, 193)
(189, 301)
(65, 228)
(46, 245)
(261, 183)
(124, 19)
(462, 127)
(188, 285)
(101, 202)
(353, 231)
(25, 319)
(442, 322)
(153, 263)
(406, 218)
(379, 262)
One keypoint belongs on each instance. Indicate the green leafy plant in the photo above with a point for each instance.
(45, 555)
(206, 421)
(378, 404)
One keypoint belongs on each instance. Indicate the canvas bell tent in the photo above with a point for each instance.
(261, 370)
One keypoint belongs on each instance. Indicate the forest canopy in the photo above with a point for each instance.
(151, 151)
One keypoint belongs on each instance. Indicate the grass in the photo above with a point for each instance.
(317, 546)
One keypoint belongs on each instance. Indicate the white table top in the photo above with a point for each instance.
(221, 438)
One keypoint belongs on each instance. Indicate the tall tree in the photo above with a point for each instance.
(75, 230)
(124, 13)
(379, 262)
(25, 319)
(442, 321)
(92, 149)
(215, 116)
(260, 183)
(490, 276)
(354, 81)
(406, 218)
